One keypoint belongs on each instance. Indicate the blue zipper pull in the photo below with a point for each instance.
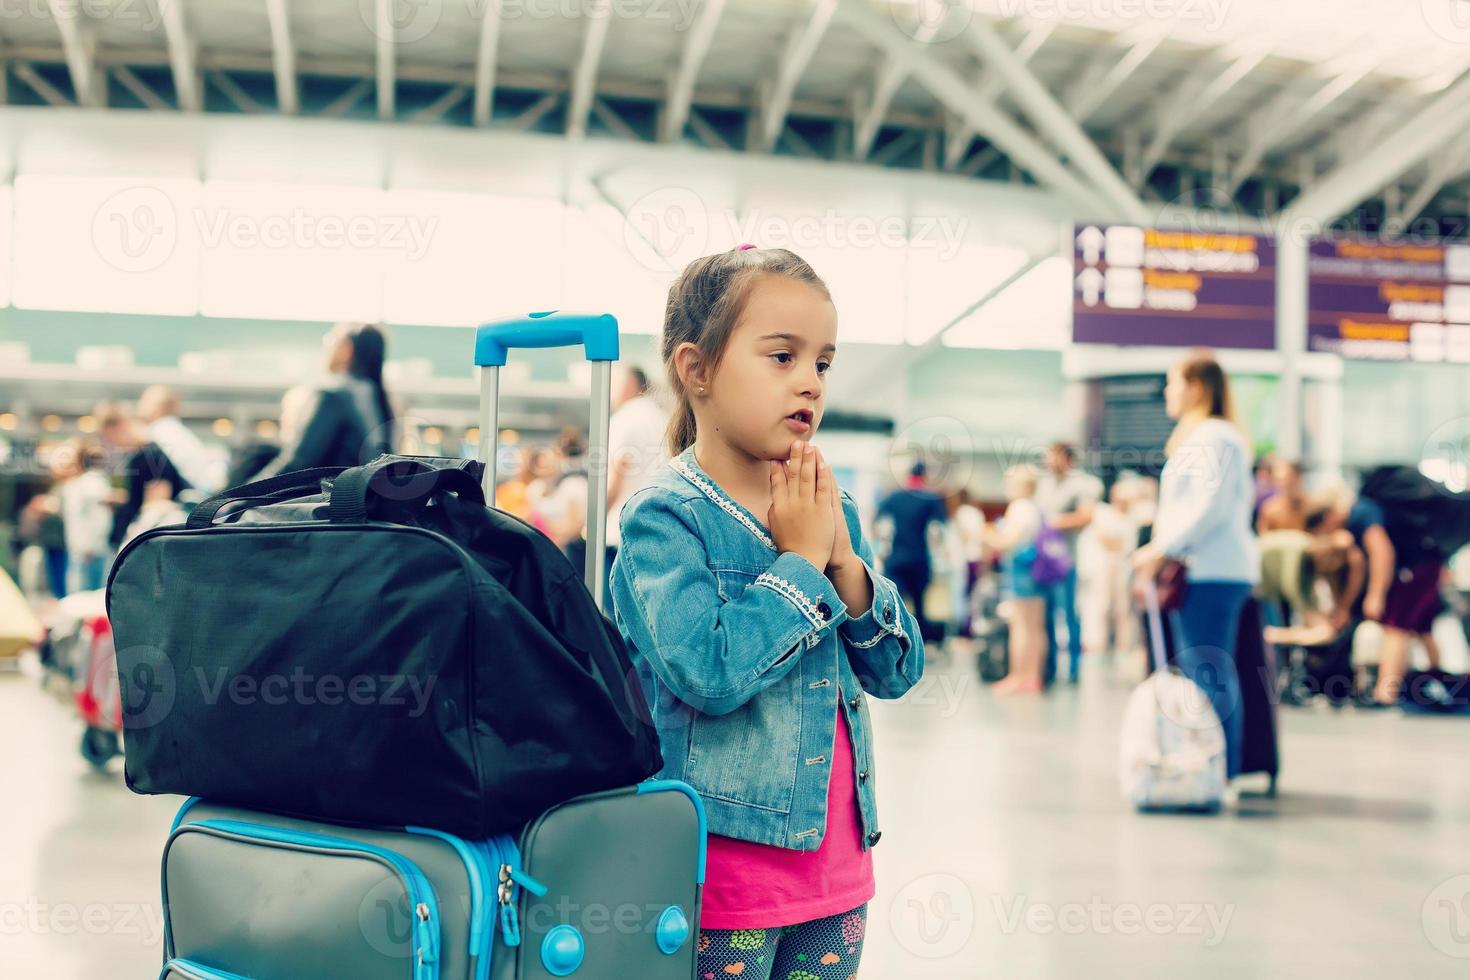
(510, 926)
(528, 883)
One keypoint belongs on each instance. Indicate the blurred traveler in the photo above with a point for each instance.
(636, 448)
(1115, 532)
(1263, 479)
(965, 543)
(158, 408)
(913, 511)
(1067, 497)
(42, 527)
(564, 507)
(349, 419)
(142, 462)
(86, 509)
(1402, 590)
(511, 494)
(1204, 520)
(1286, 509)
(1015, 539)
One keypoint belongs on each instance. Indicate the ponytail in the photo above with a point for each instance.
(369, 354)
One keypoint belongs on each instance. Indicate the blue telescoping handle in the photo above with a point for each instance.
(596, 332)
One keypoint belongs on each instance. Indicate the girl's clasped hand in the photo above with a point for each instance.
(806, 510)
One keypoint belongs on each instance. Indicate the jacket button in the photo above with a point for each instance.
(824, 610)
(888, 615)
(854, 703)
(873, 837)
(863, 776)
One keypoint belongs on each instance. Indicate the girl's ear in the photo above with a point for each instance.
(690, 365)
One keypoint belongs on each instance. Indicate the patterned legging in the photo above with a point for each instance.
(822, 949)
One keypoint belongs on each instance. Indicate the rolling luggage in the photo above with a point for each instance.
(603, 886)
(386, 610)
(1173, 746)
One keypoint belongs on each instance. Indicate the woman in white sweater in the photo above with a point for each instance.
(1204, 519)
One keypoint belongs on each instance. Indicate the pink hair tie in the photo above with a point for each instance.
(744, 248)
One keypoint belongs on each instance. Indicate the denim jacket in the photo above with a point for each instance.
(746, 655)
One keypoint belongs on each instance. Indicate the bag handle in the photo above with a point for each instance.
(1155, 624)
(300, 483)
(347, 502)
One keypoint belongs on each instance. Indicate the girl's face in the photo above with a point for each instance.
(1179, 395)
(770, 386)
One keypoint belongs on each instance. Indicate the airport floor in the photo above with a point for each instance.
(1007, 851)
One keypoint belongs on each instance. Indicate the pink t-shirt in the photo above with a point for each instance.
(757, 886)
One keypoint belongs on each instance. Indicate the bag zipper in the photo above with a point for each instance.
(482, 940)
(420, 892)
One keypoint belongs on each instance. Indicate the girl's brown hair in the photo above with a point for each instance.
(704, 306)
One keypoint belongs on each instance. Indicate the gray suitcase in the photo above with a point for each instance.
(601, 887)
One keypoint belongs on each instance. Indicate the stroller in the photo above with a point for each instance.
(989, 627)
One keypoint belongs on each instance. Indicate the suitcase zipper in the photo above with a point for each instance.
(420, 893)
(503, 851)
(482, 940)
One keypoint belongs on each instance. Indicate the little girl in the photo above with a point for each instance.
(1015, 538)
(747, 596)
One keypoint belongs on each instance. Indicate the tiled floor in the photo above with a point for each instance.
(1007, 851)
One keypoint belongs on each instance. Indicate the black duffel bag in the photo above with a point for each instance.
(370, 645)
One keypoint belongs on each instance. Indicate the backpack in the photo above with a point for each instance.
(1425, 520)
(371, 645)
(1172, 754)
(1052, 561)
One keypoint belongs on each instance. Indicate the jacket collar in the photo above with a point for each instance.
(688, 467)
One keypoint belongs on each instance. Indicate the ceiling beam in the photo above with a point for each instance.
(891, 76)
(49, 93)
(435, 111)
(79, 42)
(141, 91)
(1189, 103)
(386, 58)
(1289, 117)
(1105, 75)
(283, 57)
(948, 87)
(1359, 177)
(584, 78)
(794, 60)
(183, 56)
(675, 113)
(485, 60)
(1052, 120)
(237, 96)
(992, 85)
(349, 99)
(1443, 168)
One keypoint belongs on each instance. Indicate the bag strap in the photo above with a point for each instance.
(300, 483)
(397, 478)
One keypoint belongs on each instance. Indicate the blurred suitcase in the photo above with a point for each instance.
(1255, 665)
(604, 886)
